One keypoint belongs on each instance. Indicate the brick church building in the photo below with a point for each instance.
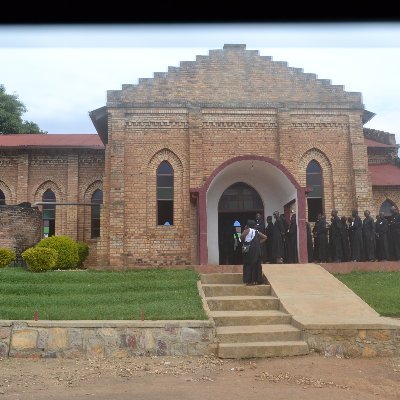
(180, 157)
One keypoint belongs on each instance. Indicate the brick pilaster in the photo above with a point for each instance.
(23, 176)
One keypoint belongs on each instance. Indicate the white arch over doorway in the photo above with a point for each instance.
(273, 186)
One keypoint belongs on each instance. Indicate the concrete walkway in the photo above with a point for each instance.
(317, 300)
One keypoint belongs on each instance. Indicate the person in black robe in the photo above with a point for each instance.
(278, 239)
(345, 239)
(292, 241)
(350, 221)
(394, 226)
(336, 237)
(269, 232)
(331, 242)
(368, 230)
(310, 247)
(252, 269)
(381, 231)
(321, 232)
(285, 243)
(260, 226)
(357, 249)
(315, 236)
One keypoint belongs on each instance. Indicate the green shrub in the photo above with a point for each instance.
(66, 248)
(83, 252)
(40, 258)
(6, 256)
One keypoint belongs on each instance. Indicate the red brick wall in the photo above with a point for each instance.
(20, 228)
(230, 103)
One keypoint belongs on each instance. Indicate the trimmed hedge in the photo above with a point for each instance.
(67, 249)
(40, 259)
(83, 252)
(6, 256)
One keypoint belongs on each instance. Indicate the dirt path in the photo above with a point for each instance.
(312, 377)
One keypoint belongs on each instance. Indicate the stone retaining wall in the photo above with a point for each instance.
(353, 342)
(74, 339)
(98, 339)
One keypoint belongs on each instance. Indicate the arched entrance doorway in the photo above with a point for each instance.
(273, 182)
(238, 203)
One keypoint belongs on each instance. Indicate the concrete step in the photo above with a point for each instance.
(222, 278)
(214, 290)
(263, 317)
(241, 303)
(257, 333)
(262, 349)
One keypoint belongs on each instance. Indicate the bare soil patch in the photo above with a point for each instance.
(311, 377)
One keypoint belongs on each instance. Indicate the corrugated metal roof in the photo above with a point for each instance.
(384, 175)
(91, 141)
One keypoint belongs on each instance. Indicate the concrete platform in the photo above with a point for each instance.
(317, 300)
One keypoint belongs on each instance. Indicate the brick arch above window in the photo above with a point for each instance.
(327, 173)
(317, 155)
(9, 194)
(151, 184)
(90, 188)
(54, 187)
(165, 155)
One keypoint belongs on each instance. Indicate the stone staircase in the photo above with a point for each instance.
(248, 319)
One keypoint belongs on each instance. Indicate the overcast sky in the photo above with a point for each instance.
(61, 72)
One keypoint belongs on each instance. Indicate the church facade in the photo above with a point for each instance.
(181, 156)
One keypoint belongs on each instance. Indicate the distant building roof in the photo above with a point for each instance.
(63, 141)
(373, 143)
(384, 175)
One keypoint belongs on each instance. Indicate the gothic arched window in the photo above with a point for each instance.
(97, 199)
(49, 213)
(2, 198)
(314, 198)
(165, 194)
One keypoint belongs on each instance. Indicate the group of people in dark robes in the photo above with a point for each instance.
(355, 239)
(342, 239)
(281, 243)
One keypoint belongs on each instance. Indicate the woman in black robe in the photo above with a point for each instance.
(269, 232)
(394, 229)
(310, 247)
(335, 237)
(292, 241)
(381, 231)
(345, 239)
(278, 250)
(252, 269)
(321, 234)
(357, 238)
(369, 236)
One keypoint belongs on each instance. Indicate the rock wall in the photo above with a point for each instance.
(75, 339)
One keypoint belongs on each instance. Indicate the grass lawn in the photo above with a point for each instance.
(381, 290)
(96, 295)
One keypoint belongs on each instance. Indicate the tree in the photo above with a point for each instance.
(11, 110)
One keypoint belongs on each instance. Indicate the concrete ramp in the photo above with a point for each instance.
(317, 300)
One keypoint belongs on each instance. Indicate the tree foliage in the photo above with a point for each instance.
(11, 110)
